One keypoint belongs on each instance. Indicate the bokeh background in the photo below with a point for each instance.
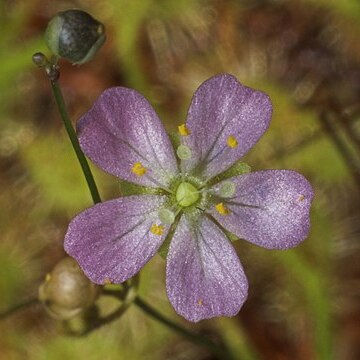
(303, 303)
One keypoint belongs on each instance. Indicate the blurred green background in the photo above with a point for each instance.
(303, 303)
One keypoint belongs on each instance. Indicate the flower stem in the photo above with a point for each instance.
(74, 141)
(216, 349)
(18, 307)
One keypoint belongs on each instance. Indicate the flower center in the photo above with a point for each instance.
(186, 194)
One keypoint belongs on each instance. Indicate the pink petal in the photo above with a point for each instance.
(223, 108)
(204, 275)
(270, 208)
(122, 129)
(112, 240)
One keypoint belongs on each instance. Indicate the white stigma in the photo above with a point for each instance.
(227, 189)
(166, 216)
(184, 152)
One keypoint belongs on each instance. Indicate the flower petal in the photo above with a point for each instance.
(225, 120)
(270, 208)
(112, 240)
(204, 275)
(122, 129)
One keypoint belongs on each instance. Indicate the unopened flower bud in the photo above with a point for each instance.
(74, 35)
(66, 291)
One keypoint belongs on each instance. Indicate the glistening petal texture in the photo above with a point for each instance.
(270, 209)
(112, 240)
(122, 129)
(204, 277)
(223, 108)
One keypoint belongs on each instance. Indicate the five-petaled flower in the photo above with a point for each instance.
(196, 199)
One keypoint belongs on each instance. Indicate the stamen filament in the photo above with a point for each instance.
(161, 186)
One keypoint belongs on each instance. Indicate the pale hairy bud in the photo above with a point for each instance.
(66, 291)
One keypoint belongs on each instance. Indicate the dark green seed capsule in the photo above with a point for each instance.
(74, 35)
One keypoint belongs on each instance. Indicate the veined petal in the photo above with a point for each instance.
(204, 277)
(270, 208)
(113, 240)
(121, 130)
(225, 120)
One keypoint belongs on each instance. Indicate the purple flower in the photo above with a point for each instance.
(188, 197)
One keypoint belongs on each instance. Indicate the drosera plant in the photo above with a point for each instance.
(189, 198)
(60, 294)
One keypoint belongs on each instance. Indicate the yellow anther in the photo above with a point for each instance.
(107, 281)
(200, 302)
(48, 277)
(138, 169)
(232, 142)
(301, 198)
(222, 209)
(157, 229)
(183, 130)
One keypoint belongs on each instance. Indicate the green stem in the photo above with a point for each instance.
(217, 350)
(74, 141)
